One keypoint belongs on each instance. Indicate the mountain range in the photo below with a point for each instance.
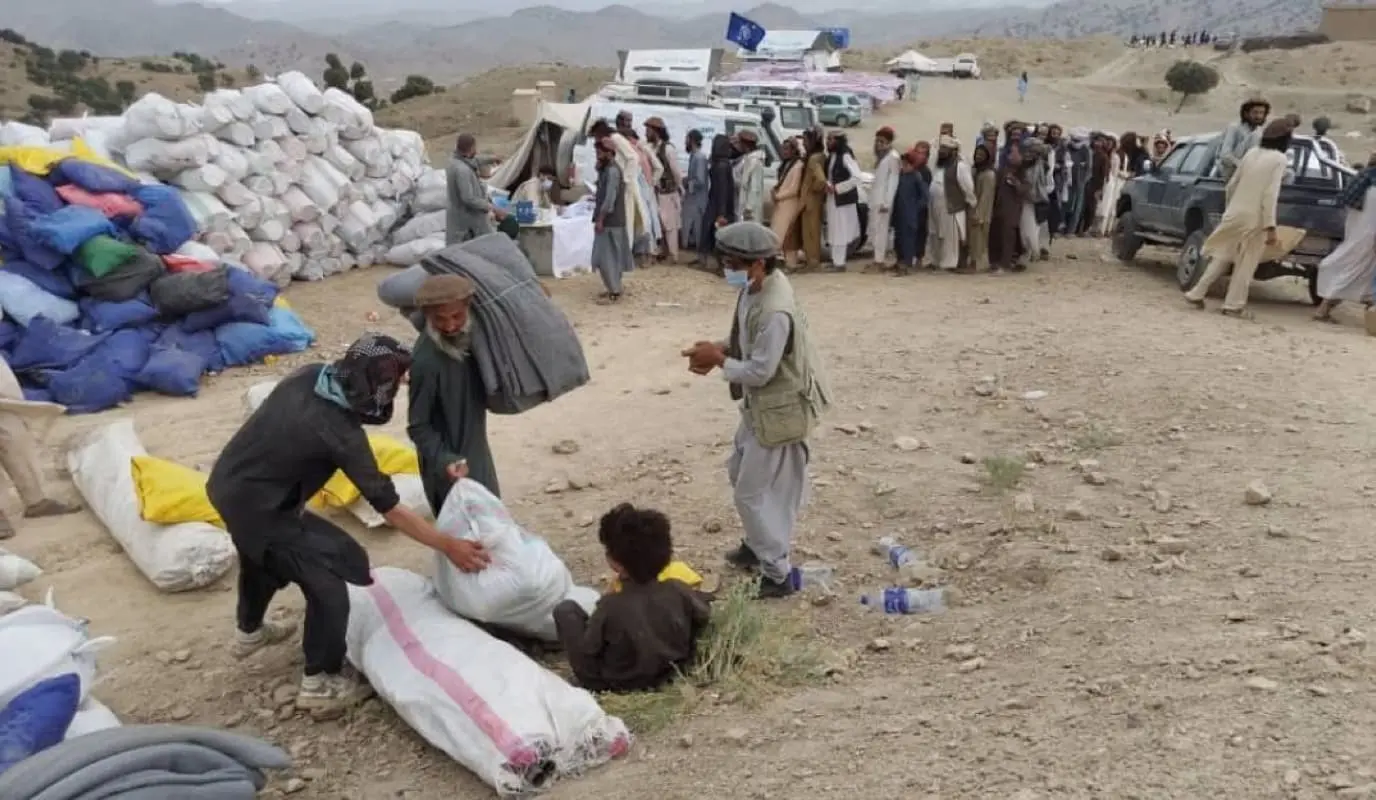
(437, 40)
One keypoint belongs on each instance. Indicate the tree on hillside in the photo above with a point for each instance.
(206, 81)
(1191, 78)
(126, 91)
(335, 73)
(358, 72)
(415, 86)
(253, 72)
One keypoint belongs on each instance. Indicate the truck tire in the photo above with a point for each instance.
(842, 121)
(1126, 242)
(1190, 263)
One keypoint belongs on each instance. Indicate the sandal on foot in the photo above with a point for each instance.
(1199, 304)
(1237, 313)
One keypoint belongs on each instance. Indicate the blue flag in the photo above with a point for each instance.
(743, 32)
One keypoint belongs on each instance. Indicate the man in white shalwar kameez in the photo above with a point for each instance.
(882, 190)
(843, 199)
(951, 193)
(774, 371)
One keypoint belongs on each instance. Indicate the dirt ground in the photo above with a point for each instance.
(1127, 628)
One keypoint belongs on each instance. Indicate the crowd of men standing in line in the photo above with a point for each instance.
(995, 211)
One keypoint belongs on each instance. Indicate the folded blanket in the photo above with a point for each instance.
(527, 351)
(146, 762)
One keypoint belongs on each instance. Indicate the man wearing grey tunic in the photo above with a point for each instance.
(469, 208)
(611, 252)
(774, 372)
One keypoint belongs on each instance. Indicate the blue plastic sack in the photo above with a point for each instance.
(165, 223)
(21, 243)
(67, 229)
(52, 281)
(290, 327)
(100, 316)
(23, 300)
(89, 387)
(172, 371)
(243, 343)
(92, 177)
(202, 343)
(38, 718)
(9, 335)
(243, 282)
(47, 345)
(124, 351)
(36, 394)
(36, 193)
(238, 308)
(6, 182)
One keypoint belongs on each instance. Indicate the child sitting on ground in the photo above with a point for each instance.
(639, 638)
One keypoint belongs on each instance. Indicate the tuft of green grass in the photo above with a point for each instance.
(1003, 472)
(1095, 438)
(748, 651)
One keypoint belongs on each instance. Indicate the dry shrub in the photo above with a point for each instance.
(748, 651)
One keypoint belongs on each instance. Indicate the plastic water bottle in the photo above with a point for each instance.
(898, 600)
(896, 554)
(808, 576)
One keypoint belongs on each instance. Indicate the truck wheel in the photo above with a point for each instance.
(1126, 242)
(1190, 264)
(842, 121)
(1313, 278)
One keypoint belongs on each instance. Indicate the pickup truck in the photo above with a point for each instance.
(1180, 201)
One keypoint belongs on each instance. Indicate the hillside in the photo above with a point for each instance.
(37, 82)
(1123, 17)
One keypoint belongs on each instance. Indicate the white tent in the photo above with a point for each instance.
(912, 61)
(541, 144)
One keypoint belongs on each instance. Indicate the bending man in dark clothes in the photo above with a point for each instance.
(642, 636)
(448, 406)
(307, 429)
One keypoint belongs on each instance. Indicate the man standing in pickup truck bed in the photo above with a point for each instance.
(1248, 226)
(1242, 135)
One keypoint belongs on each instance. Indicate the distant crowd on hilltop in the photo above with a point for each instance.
(1172, 39)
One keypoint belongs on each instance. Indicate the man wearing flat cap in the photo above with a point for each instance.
(448, 405)
(750, 176)
(774, 372)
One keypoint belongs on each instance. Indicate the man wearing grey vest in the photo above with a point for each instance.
(774, 373)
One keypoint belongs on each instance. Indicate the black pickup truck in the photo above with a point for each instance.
(1181, 200)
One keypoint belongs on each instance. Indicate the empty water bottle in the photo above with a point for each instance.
(896, 554)
(809, 576)
(906, 601)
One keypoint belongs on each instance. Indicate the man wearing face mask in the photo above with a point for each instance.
(541, 189)
(774, 372)
(308, 428)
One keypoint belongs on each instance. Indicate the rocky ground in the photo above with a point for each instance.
(1159, 562)
(1153, 519)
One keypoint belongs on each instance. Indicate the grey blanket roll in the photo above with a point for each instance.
(146, 762)
(527, 351)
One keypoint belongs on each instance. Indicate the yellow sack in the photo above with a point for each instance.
(281, 302)
(676, 571)
(40, 160)
(170, 493)
(393, 458)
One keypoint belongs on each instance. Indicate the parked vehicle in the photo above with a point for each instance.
(840, 109)
(1179, 203)
(785, 117)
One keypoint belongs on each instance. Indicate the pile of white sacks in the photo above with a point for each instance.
(289, 180)
(423, 233)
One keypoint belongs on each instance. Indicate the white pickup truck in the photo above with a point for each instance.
(964, 65)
